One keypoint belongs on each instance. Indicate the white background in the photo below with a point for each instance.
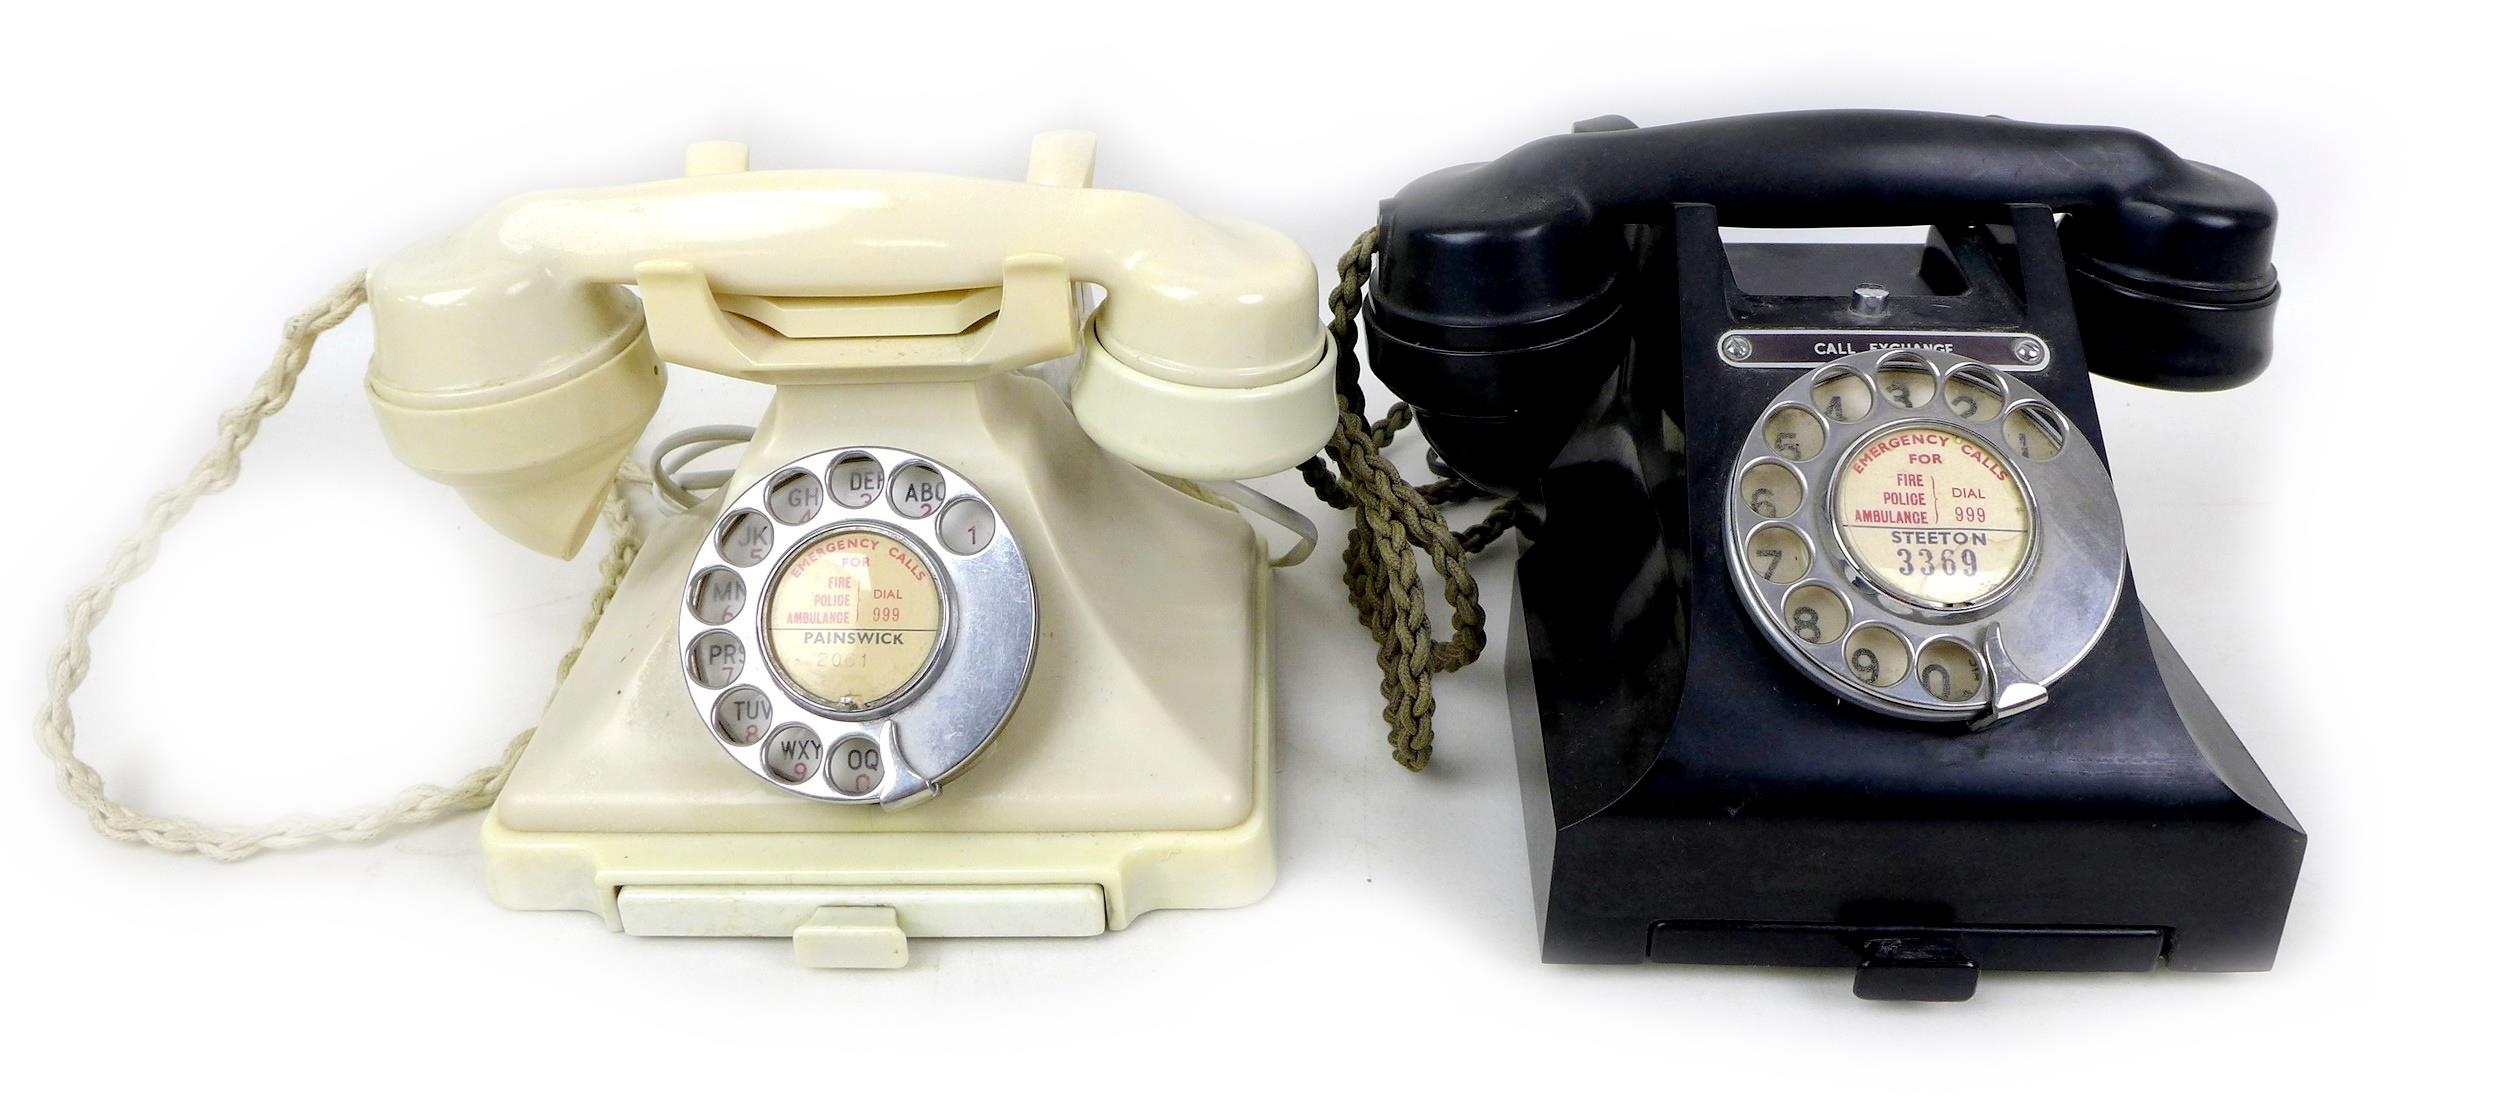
(178, 182)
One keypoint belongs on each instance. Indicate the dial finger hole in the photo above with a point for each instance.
(795, 498)
(854, 766)
(715, 658)
(916, 490)
(1771, 489)
(856, 481)
(1776, 554)
(966, 526)
(1793, 432)
(746, 539)
(1843, 396)
(1816, 614)
(718, 596)
(741, 716)
(1907, 388)
(793, 753)
(2035, 432)
(1974, 393)
(1948, 670)
(1877, 657)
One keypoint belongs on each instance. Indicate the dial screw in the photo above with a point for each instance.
(1736, 347)
(2029, 351)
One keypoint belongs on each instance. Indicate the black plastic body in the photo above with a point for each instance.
(1690, 796)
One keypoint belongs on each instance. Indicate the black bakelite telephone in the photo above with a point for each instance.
(1825, 650)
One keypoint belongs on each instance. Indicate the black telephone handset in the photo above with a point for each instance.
(1825, 650)
(1494, 279)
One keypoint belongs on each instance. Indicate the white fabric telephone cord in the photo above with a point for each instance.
(57, 734)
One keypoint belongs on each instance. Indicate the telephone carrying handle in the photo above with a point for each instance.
(780, 341)
(2170, 259)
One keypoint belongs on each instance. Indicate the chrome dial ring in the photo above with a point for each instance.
(858, 624)
(1923, 535)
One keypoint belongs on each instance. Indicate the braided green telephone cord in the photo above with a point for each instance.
(1392, 520)
(57, 733)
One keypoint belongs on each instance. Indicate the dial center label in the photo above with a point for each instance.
(1933, 516)
(854, 618)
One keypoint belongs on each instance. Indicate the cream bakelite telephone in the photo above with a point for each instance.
(947, 653)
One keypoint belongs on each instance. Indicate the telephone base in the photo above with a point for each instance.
(1726, 857)
(854, 900)
(1133, 775)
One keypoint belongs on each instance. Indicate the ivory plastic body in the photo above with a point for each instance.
(1137, 763)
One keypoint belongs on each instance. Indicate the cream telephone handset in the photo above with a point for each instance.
(1200, 364)
(923, 556)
